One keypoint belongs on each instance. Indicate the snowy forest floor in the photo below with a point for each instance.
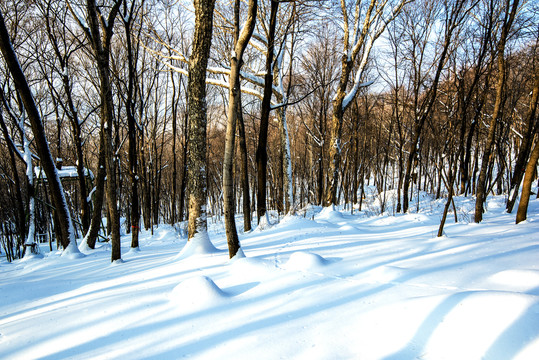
(320, 285)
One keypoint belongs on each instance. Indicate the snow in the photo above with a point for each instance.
(65, 172)
(320, 285)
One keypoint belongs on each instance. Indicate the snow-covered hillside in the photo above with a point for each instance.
(321, 285)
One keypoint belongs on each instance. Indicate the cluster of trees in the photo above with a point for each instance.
(322, 97)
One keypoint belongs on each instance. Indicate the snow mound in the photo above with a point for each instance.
(30, 257)
(72, 251)
(83, 246)
(347, 228)
(305, 261)
(329, 214)
(251, 268)
(297, 223)
(197, 292)
(133, 251)
(200, 244)
(239, 255)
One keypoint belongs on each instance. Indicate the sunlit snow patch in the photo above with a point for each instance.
(516, 280)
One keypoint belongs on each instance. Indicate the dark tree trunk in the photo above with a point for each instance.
(101, 47)
(244, 171)
(526, 185)
(132, 127)
(173, 201)
(183, 182)
(261, 151)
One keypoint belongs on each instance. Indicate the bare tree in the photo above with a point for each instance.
(509, 13)
(455, 13)
(360, 33)
(128, 18)
(265, 108)
(99, 32)
(63, 222)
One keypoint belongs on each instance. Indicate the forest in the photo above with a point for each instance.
(119, 116)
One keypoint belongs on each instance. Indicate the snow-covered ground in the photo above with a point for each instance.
(325, 285)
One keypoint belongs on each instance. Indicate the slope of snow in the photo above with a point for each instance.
(328, 285)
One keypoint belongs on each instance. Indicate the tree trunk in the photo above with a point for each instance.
(197, 175)
(102, 54)
(183, 182)
(20, 223)
(335, 147)
(261, 151)
(132, 135)
(173, 201)
(99, 195)
(228, 162)
(525, 148)
(526, 185)
(288, 205)
(244, 171)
